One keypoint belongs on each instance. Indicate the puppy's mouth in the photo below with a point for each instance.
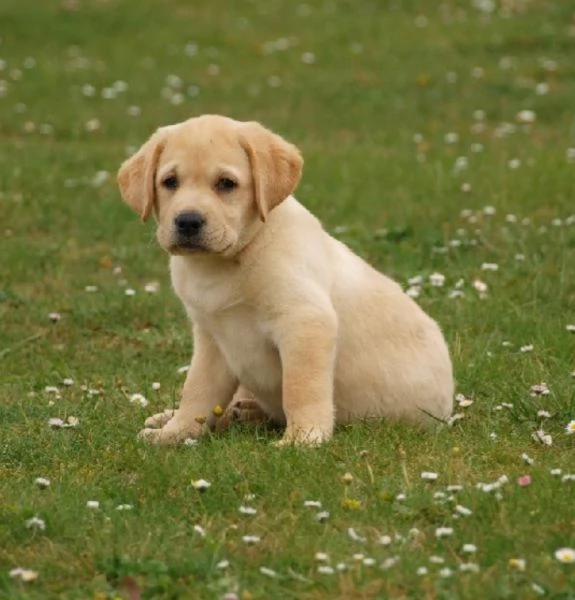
(187, 247)
(197, 247)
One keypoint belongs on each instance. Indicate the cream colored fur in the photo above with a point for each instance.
(278, 306)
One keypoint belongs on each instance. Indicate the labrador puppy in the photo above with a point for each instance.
(278, 306)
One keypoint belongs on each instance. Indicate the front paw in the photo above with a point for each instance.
(303, 436)
(158, 420)
(170, 434)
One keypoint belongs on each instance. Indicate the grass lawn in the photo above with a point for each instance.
(439, 139)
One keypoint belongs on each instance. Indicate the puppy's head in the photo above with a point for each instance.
(211, 181)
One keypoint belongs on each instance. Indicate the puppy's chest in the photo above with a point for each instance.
(246, 346)
(238, 328)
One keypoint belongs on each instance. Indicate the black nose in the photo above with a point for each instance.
(189, 223)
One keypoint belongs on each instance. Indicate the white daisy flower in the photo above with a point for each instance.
(139, 399)
(454, 488)
(251, 539)
(527, 459)
(526, 117)
(519, 564)
(489, 267)
(454, 418)
(36, 523)
(463, 510)
(454, 294)
(542, 437)
(539, 389)
(463, 401)
(201, 485)
(437, 279)
(325, 570)
(352, 533)
(389, 562)
(565, 555)
(469, 567)
(480, 286)
(247, 510)
(442, 532)
(23, 574)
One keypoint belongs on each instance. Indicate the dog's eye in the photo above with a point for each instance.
(224, 184)
(171, 182)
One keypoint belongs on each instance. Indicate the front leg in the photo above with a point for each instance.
(209, 383)
(307, 341)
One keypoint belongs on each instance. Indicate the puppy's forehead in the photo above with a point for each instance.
(203, 133)
(204, 140)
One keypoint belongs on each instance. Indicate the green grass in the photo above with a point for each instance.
(378, 79)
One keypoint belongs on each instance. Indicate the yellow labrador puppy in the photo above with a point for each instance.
(278, 306)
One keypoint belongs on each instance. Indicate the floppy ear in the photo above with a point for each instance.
(136, 176)
(276, 165)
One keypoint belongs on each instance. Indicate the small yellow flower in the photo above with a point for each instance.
(351, 504)
(347, 478)
(106, 262)
(200, 419)
(218, 411)
(423, 80)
